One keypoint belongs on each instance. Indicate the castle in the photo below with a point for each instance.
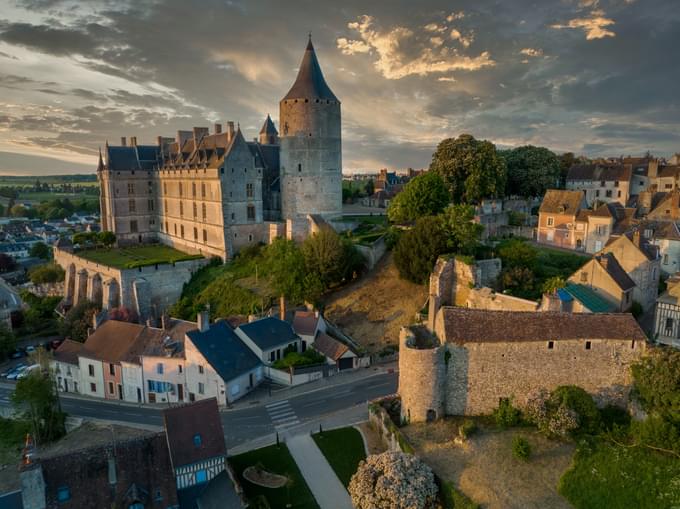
(214, 193)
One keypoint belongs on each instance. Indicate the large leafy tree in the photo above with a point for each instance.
(285, 265)
(657, 383)
(531, 170)
(471, 169)
(36, 398)
(40, 250)
(323, 253)
(418, 249)
(462, 233)
(48, 273)
(78, 320)
(425, 195)
(7, 341)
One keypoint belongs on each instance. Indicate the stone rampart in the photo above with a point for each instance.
(486, 298)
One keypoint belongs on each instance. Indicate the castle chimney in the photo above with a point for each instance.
(123, 141)
(133, 141)
(204, 320)
(282, 307)
(218, 128)
(230, 130)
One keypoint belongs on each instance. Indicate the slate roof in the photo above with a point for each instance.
(305, 322)
(68, 352)
(610, 264)
(11, 500)
(224, 350)
(468, 325)
(609, 172)
(310, 83)
(667, 230)
(557, 201)
(135, 157)
(182, 423)
(268, 127)
(269, 332)
(330, 347)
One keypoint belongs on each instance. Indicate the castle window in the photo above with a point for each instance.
(195, 210)
(204, 211)
(245, 170)
(588, 345)
(181, 231)
(203, 190)
(132, 205)
(249, 190)
(299, 167)
(205, 236)
(180, 189)
(165, 206)
(551, 345)
(195, 233)
(165, 188)
(193, 189)
(133, 226)
(233, 216)
(221, 171)
(131, 188)
(166, 227)
(632, 345)
(251, 213)
(551, 221)
(250, 237)
(181, 208)
(150, 205)
(175, 229)
(63, 494)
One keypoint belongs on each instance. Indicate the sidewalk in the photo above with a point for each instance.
(322, 481)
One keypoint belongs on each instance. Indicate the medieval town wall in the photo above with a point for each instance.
(486, 298)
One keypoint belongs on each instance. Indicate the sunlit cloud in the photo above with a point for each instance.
(594, 26)
(532, 52)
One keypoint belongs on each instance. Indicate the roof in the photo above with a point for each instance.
(184, 423)
(268, 127)
(610, 264)
(649, 250)
(310, 83)
(561, 202)
(305, 322)
(111, 341)
(667, 230)
(588, 298)
(11, 500)
(68, 352)
(608, 172)
(330, 347)
(468, 325)
(269, 332)
(224, 350)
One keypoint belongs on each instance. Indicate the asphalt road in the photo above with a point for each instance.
(247, 423)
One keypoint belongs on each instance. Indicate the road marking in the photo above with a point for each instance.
(278, 403)
(282, 414)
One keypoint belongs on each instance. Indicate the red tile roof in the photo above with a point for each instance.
(330, 347)
(68, 352)
(305, 322)
(111, 341)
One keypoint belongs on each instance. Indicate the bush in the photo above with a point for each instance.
(521, 449)
(292, 358)
(506, 415)
(613, 416)
(568, 410)
(582, 403)
(654, 431)
(467, 429)
(48, 273)
(657, 383)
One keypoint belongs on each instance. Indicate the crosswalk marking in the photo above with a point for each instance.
(282, 414)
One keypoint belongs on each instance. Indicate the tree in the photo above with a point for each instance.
(567, 160)
(78, 320)
(531, 170)
(462, 233)
(553, 284)
(418, 249)
(48, 273)
(7, 263)
(395, 480)
(657, 383)
(107, 239)
(40, 250)
(518, 281)
(369, 188)
(285, 265)
(323, 253)
(36, 397)
(517, 253)
(7, 341)
(471, 169)
(425, 195)
(18, 211)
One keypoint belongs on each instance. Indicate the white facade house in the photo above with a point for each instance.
(64, 365)
(269, 338)
(91, 376)
(133, 382)
(164, 379)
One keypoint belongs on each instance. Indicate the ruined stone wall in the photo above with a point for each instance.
(479, 374)
(486, 298)
(422, 374)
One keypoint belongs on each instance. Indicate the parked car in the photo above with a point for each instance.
(14, 375)
(27, 371)
(30, 349)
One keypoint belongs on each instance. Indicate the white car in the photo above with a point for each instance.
(14, 374)
(27, 371)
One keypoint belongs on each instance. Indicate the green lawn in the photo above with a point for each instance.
(275, 459)
(344, 449)
(454, 499)
(608, 476)
(366, 219)
(138, 256)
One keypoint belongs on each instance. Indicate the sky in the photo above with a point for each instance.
(595, 77)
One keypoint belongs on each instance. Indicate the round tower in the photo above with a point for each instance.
(311, 148)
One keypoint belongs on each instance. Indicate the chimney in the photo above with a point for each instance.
(149, 322)
(204, 320)
(653, 168)
(218, 128)
(230, 130)
(133, 141)
(636, 238)
(159, 141)
(282, 307)
(122, 141)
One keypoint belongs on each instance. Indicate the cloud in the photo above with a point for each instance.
(401, 52)
(531, 52)
(351, 47)
(464, 40)
(454, 16)
(594, 26)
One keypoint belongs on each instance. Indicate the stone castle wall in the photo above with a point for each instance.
(486, 298)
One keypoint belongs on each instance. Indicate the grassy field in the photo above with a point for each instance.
(344, 449)
(607, 476)
(139, 256)
(277, 460)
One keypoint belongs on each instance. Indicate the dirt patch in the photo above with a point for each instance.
(263, 478)
(373, 441)
(373, 309)
(485, 470)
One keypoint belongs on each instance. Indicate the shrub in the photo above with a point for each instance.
(656, 432)
(521, 449)
(567, 410)
(612, 416)
(506, 415)
(48, 273)
(467, 429)
(657, 382)
(579, 401)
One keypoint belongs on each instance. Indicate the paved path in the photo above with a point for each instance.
(325, 485)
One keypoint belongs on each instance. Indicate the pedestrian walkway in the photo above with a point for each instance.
(322, 481)
(282, 415)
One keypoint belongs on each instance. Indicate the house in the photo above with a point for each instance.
(198, 452)
(640, 260)
(65, 366)
(667, 314)
(557, 219)
(269, 338)
(601, 182)
(665, 235)
(218, 363)
(307, 324)
(606, 278)
(667, 209)
(337, 353)
(600, 225)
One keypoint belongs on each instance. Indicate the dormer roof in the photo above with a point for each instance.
(268, 127)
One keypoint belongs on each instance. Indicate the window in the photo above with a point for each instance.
(175, 225)
(195, 233)
(602, 183)
(179, 368)
(63, 494)
(642, 183)
(608, 194)
(203, 190)
(201, 476)
(205, 236)
(150, 205)
(668, 186)
(204, 211)
(579, 227)
(181, 231)
(272, 356)
(195, 207)
(197, 440)
(251, 212)
(249, 190)
(200, 369)
(597, 192)
(665, 259)
(601, 229)
(180, 190)
(165, 188)
(165, 207)
(131, 188)
(193, 189)
(201, 388)
(132, 206)
(110, 387)
(616, 183)
(181, 208)
(551, 221)
(233, 216)
(112, 369)
(551, 345)
(618, 195)
(299, 167)
(584, 277)
(133, 226)
(90, 369)
(669, 326)
(93, 387)
(167, 230)
(588, 345)
(159, 368)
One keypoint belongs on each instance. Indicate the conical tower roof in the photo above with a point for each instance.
(268, 127)
(310, 83)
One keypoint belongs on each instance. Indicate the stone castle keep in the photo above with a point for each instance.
(214, 192)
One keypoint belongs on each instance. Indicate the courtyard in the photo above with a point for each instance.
(136, 256)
